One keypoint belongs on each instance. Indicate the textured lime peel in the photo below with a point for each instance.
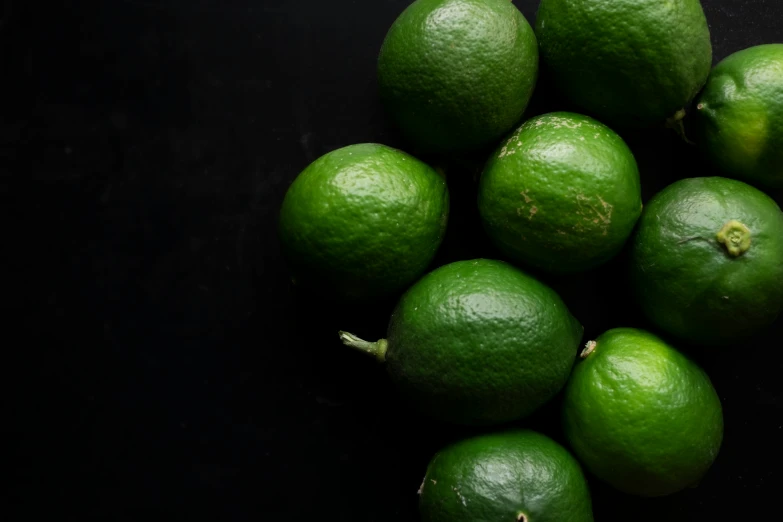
(735, 237)
(376, 349)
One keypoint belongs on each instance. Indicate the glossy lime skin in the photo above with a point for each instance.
(740, 115)
(642, 416)
(456, 75)
(480, 342)
(686, 281)
(509, 476)
(363, 221)
(627, 62)
(561, 194)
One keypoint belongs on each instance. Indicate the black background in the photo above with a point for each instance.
(156, 361)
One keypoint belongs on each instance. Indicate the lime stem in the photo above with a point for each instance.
(588, 349)
(376, 349)
(735, 237)
(676, 123)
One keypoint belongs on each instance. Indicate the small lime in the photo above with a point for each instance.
(640, 415)
(363, 221)
(561, 194)
(478, 342)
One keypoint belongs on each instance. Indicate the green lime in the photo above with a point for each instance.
(707, 260)
(515, 476)
(363, 221)
(628, 62)
(478, 342)
(457, 74)
(561, 194)
(640, 415)
(741, 115)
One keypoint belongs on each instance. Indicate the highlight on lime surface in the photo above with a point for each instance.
(456, 75)
(477, 342)
(706, 261)
(514, 476)
(640, 415)
(363, 221)
(561, 193)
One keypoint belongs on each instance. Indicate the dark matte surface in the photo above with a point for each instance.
(163, 365)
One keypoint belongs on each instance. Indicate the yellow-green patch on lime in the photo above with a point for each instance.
(740, 115)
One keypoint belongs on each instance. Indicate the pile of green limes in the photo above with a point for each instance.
(481, 342)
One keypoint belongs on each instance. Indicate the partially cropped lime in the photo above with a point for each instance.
(513, 476)
(456, 75)
(626, 62)
(707, 260)
(363, 221)
(740, 115)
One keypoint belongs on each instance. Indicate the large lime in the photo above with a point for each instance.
(640, 415)
(478, 342)
(516, 476)
(707, 260)
(561, 193)
(627, 62)
(363, 221)
(457, 74)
